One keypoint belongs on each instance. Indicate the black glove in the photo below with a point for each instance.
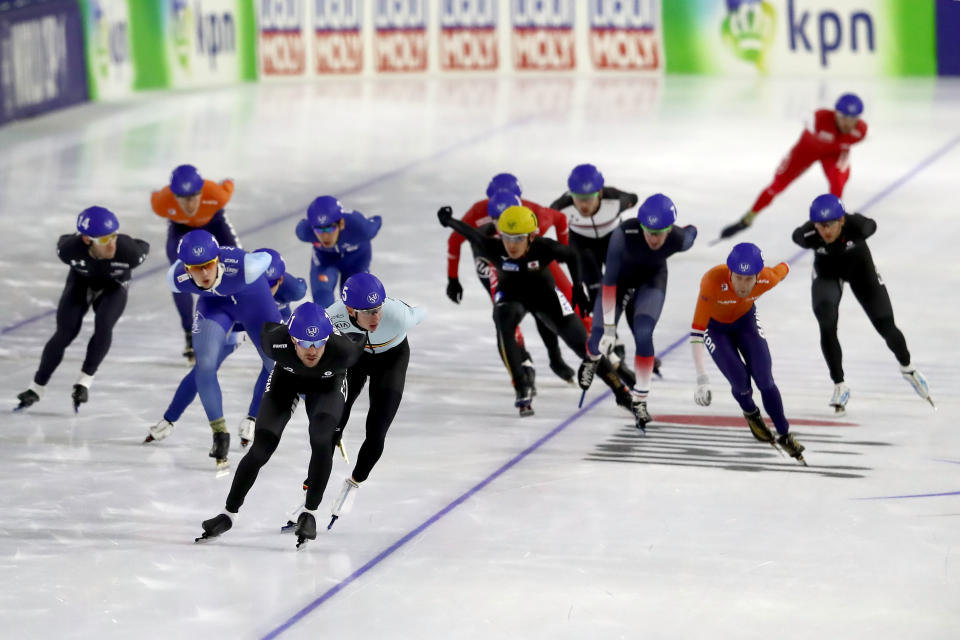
(444, 214)
(454, 290)
(581, 299)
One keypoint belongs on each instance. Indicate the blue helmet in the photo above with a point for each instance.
(310, 323)
(277, 266)
(826, 208)
(849, 104)
(198, 247)
(363, 291)
(585, 179)
(745, 259)
(325, 211)
(504, 182)
(185, 180)
(500, 201)
(657, 213)
(97, 222)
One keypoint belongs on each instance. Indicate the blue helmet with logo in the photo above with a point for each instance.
(310, 322)
(325, 211)
(745, 259)
(198, 247)
(277, 266)
(97, 222)
(501, 201)
(504, 182)
(585, 179)
(186, 181)
(657, 213)
(849, 104)
(363, 291)
(826, 208)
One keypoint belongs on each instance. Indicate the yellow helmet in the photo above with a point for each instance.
(517, 220)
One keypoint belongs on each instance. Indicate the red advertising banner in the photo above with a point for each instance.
(543, 35)
(337, 43)
(625, 35)
(468, 35)
(400, 35)
(283, 43)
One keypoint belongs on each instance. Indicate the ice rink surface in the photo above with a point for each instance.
(475, 523)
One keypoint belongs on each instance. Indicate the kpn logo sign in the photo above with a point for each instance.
(283, 45)
(803, 35)
(205, 29)
(543, 35)
(337, 42)
(625, 34)
(468, 35)
(400, 35)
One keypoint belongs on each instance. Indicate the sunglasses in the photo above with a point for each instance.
(657, 232)
(370, 312)
(200, 267)
(328, 229)
(513, 238)
(585, 196)
(306, 344)
(104, 239)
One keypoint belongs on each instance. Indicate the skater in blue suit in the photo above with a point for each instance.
(233, 288)
(341, 245)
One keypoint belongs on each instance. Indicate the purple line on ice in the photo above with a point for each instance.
(914, 495)
(431, 520)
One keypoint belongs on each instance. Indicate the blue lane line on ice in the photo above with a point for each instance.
(914, 495)
(269, 222)
(380, 557)
(383, 555)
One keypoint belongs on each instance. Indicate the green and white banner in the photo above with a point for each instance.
(800, 37)
(209, 42)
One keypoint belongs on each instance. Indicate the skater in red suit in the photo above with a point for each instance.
(834, 132)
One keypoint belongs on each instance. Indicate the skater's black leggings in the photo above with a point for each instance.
(549, 309)
(77, 298)
(593, 255)
(324, 409)
(872, 295)
(550, 340)
(387, 372)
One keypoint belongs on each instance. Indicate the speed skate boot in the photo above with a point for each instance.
(220, 449)
(79, 396)
(531, 374)
(27, 398)
(841, 394)
(640, 412)
(758, 427)
(524, 401)
(159, 431)
(745, 221)
(306, 528)
(793, 448)
(912, 375)
(245, 431)
(344, 501)
(215, 526)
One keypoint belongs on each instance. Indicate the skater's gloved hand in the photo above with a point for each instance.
(580, 298)
(454, 290)
(609, 339)
(702, 395)
(444, 214)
